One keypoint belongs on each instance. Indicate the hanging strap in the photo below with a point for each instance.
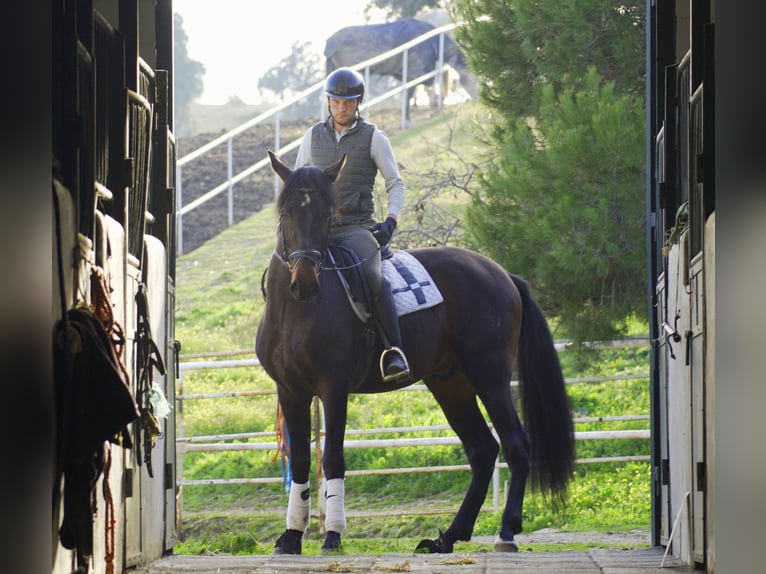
(65, 357)
(148, 357)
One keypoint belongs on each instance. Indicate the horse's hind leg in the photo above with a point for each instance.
(458, 401)
(515, 444)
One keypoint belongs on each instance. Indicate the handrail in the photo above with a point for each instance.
(308, 91)
(250, 123)
(275, 112)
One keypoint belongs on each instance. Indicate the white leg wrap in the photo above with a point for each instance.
(299, 506)
(335, 518)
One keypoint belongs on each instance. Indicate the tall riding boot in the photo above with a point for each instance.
(393, 363)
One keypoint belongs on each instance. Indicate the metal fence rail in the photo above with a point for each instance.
(220, 443)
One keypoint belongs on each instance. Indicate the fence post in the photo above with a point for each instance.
(405, 92)
(230, 174)
(179, 451)
(318, 462)
(367, 83)
(277, 125)
(440, 77)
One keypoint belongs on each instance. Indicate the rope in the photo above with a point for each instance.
(109, 519)
(283, 448)
(101, 303)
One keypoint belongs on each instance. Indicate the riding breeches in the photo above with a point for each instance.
(359, 238)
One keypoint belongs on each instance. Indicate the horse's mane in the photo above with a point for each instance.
(307, 178)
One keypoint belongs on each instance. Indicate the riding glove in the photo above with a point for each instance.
(384, 230)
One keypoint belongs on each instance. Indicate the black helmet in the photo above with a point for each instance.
(345, 84)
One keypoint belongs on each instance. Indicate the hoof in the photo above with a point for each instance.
(288, 543)
(439, 545)
(331, 543)
(501, 545)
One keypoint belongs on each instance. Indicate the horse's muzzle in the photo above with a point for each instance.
(304, 279)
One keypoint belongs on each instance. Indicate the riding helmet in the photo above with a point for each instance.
(345, 84)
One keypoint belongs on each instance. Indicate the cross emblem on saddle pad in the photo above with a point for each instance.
(411, 284)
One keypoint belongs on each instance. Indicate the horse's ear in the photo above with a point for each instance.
(334, 170)
(278, 166)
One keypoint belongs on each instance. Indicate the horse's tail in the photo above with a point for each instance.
(547, 414)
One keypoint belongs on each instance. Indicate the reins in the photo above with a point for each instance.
(316, 256)
(326, 255)
(336, 267)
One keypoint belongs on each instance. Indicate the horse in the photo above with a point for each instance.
(311, 343)
(353, 44)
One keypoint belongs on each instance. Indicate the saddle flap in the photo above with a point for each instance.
(348, 266)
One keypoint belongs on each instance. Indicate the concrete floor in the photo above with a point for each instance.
(595, 561)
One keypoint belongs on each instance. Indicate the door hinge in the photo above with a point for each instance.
(665, 471)
(128, 487)
(169, 482)
(701, 477)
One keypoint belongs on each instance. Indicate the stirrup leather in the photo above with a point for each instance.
(396, 376)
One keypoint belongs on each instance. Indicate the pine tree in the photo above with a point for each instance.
(562, 196)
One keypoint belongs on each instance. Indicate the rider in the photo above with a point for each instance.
(368, 151)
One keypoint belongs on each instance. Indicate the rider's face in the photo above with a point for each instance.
(343, 111)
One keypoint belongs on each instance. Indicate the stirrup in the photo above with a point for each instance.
(395, 377)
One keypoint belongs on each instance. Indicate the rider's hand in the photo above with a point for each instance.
(384, 230)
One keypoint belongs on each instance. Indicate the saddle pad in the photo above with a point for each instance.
(411, 284)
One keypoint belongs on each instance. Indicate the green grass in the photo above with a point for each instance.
(218, 304)
(605, 496)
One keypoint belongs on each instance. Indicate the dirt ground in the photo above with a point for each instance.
(632, 538)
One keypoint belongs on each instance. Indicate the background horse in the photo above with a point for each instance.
(354, 44)
(312, 344)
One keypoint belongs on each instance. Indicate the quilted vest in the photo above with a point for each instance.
(354, 186)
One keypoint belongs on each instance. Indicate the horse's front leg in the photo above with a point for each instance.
(335, 405)
(297, 412)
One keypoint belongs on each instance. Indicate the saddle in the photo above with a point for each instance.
(348, 266)
(411, 284)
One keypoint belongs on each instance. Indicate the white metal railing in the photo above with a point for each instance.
(275, 112)
(186, 444)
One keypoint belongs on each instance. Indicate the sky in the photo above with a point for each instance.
(239, 40)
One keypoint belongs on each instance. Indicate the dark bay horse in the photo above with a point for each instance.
(354, 44)
(312, 344)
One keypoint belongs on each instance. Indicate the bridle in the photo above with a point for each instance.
(315, 256)
(292, 258)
